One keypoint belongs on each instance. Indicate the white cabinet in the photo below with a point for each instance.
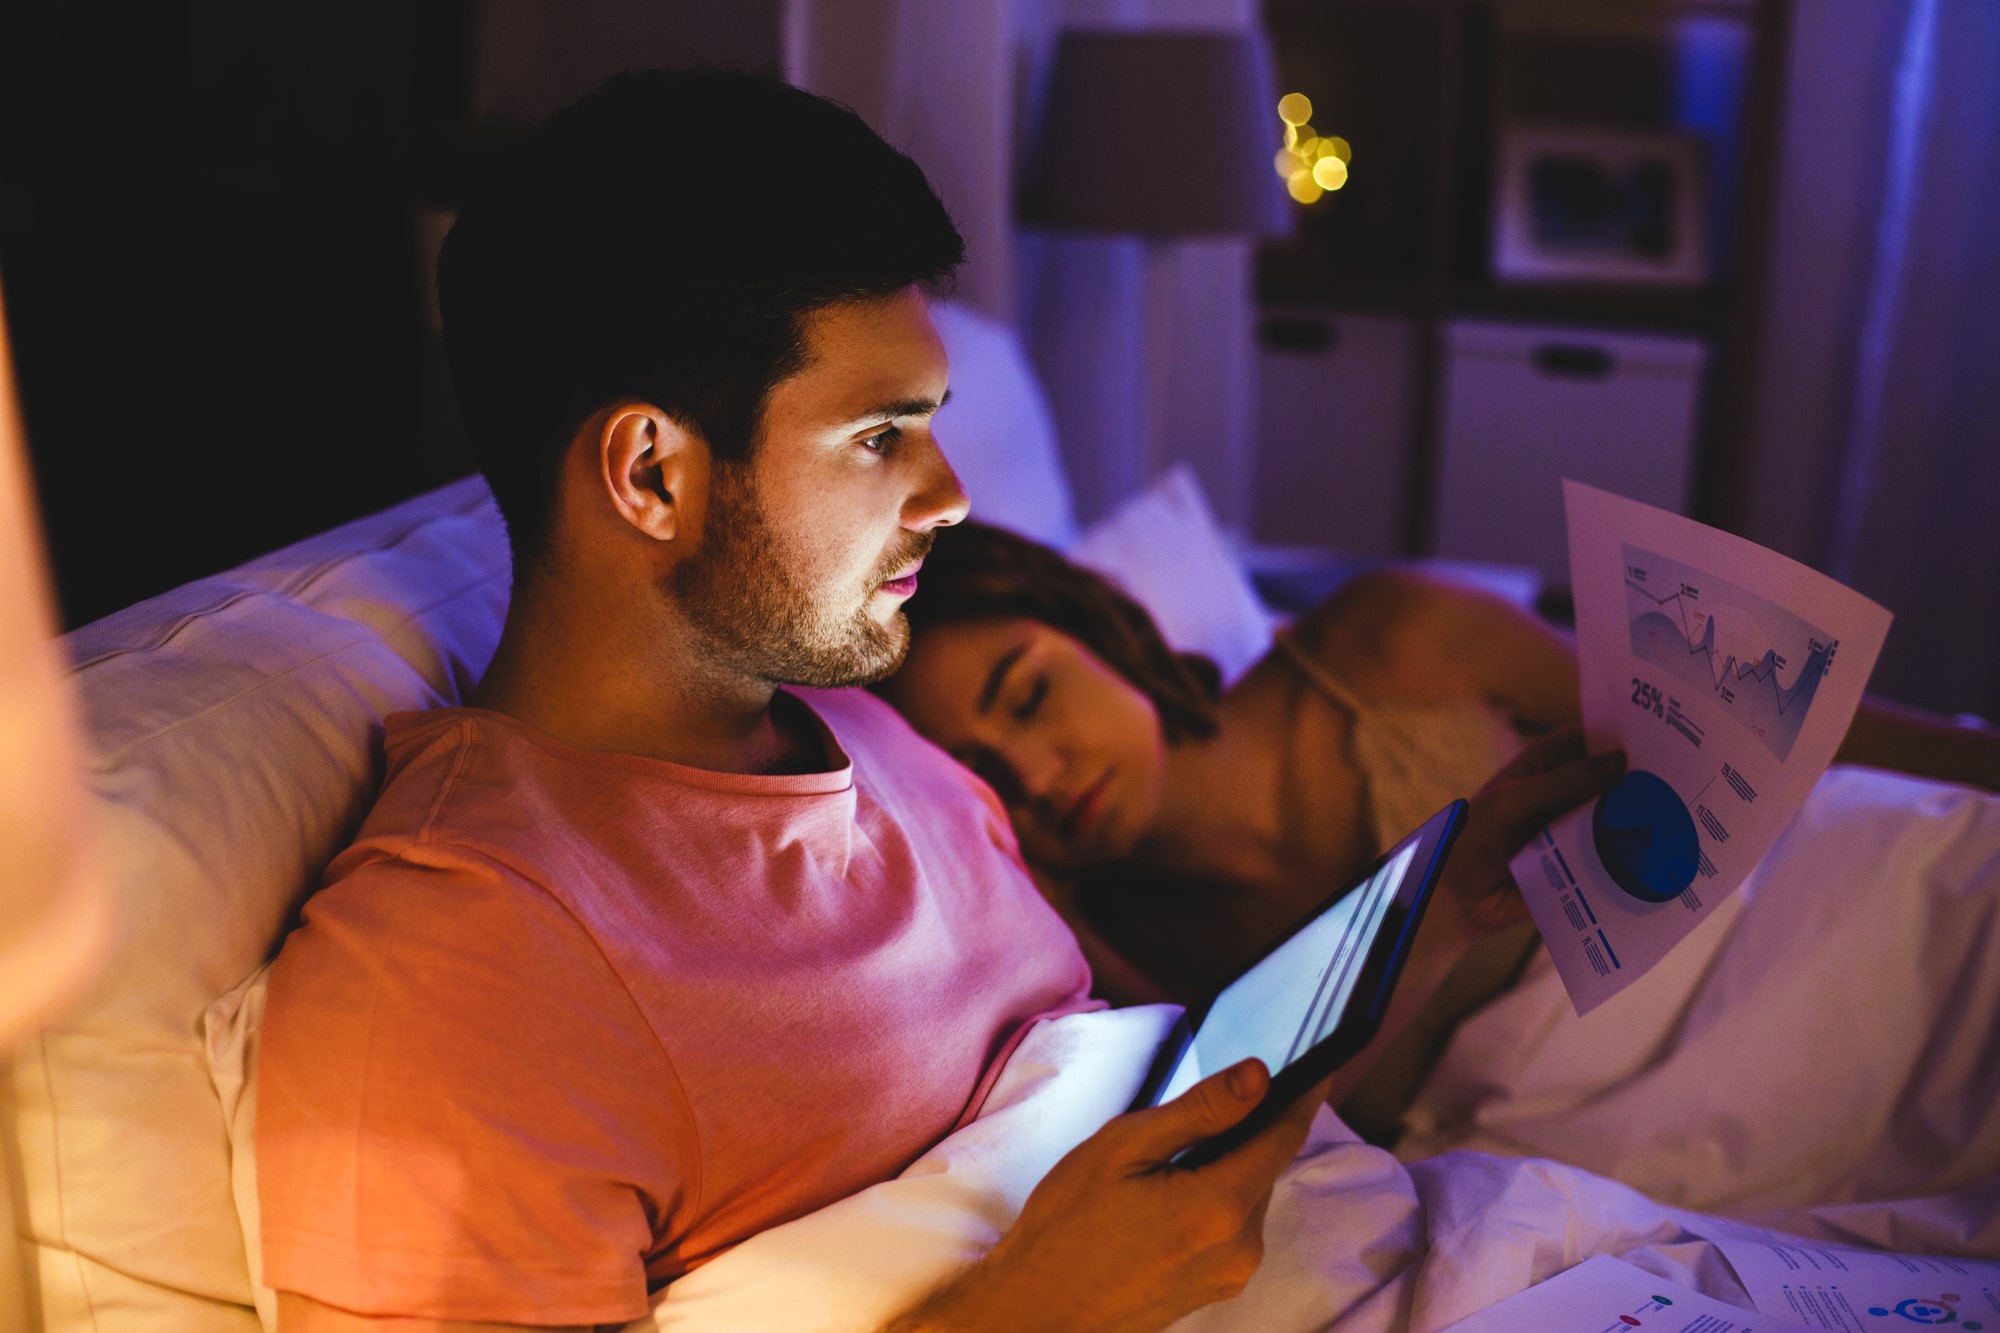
(1524, 407)
(1333, 429)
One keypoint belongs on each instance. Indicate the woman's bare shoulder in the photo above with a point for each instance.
(1386, 619)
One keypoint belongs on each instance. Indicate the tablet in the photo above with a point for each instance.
(1317, 995)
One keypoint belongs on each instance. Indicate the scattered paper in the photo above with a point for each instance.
(1728, 675)
(1861, 1291)
(1607, 1295)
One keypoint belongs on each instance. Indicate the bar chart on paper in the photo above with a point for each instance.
(1760, 662)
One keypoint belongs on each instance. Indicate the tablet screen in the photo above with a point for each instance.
(1285, 1005)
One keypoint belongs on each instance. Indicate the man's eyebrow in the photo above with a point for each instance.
(998, 676)
(901, 407)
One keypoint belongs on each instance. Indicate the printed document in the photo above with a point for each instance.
(1607, 1295)
(1860, 1291)
(1728, 675)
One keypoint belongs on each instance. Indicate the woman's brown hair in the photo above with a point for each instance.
(976, 571)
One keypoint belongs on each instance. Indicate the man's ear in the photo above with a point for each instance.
(654, 470)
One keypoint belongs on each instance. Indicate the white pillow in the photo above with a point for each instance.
(1164, 547)
(859, 1261)
(231, 1030)
(997, 430)
(232, 738)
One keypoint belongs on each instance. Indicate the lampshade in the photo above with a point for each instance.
(1159, 133)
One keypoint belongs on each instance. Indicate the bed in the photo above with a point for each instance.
(232, 733)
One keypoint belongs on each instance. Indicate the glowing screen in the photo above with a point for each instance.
(1290, 1002)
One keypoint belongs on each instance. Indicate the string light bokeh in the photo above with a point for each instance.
(1310, 164)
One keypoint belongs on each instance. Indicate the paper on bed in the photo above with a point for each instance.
(1729, 675)
(1859, 1291)
(1607, 1295)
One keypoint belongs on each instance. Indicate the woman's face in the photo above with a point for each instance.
(1074, 749)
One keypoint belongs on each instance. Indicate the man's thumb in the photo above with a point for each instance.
(1203, 1111)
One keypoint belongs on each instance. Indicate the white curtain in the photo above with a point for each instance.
(1145, 349)
(937, 81)
(1878, 430)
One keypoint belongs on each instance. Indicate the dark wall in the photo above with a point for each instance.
(209, 242)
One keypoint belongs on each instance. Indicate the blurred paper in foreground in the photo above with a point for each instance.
(55, 913)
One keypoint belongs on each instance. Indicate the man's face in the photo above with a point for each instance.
(809, 550)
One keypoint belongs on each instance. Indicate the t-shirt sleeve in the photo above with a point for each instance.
(462, 1112)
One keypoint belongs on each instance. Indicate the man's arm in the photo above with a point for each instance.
(1909, 740)
(299, 1314)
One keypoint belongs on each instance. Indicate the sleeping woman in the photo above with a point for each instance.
(1178, 826)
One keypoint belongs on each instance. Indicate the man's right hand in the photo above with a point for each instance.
(1116, 1239)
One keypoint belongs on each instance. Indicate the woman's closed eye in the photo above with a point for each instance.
(1031, 702)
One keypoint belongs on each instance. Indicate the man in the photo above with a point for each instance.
(640, 954)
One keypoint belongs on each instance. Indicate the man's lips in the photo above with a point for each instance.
(904, 584)
(1083, 812)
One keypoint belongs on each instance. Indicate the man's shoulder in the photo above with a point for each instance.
(461, 822)
(464, 776)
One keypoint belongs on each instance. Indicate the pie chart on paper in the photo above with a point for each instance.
(1646, 838)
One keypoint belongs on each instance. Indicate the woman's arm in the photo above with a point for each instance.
(1926, 745)
(1405, 636)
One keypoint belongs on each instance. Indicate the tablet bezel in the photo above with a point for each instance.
(1366, 1007)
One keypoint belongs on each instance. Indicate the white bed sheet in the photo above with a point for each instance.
(1832, 1036)
(1854, 1104)
(1355, 1239)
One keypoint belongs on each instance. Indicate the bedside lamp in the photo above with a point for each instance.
(1161, 136)
(1158, 133)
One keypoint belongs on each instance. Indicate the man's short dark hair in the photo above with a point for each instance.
(663, 239)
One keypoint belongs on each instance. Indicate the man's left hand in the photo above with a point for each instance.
(1548, 779)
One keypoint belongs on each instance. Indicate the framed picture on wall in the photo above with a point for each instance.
(1608, 206)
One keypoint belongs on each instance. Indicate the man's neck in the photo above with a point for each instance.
(598, 673)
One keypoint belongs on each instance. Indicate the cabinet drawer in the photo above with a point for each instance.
(1525, 407)
(1333, 429)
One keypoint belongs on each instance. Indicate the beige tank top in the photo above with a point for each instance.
(1412, 759)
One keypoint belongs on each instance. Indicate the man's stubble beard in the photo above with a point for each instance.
(740, 591)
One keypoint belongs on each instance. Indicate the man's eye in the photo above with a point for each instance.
(880, 442)
(1026, 709)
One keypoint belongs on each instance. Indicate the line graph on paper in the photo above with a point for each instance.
(1760, 662)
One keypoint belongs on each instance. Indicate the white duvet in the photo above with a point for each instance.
(1823, 1058)
(1831, 1035)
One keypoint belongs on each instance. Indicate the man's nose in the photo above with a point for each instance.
(939, 499)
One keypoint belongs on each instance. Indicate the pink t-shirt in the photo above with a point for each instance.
(562, 1025)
